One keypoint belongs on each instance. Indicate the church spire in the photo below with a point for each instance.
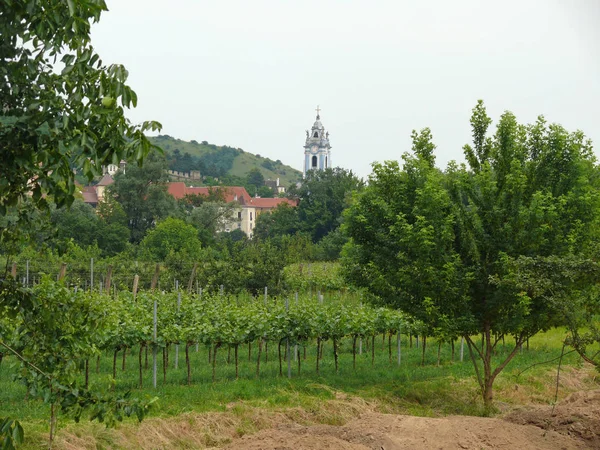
(317, 153)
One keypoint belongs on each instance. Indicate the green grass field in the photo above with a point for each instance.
(410, 388)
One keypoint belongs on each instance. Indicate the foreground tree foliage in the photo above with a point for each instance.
(60, 106)
(442, 245)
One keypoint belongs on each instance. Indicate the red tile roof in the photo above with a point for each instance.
(89, 194)
(269, 203)
(106, 180)
(178, 189)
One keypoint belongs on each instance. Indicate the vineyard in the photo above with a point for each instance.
(161, 323)
(190, 346)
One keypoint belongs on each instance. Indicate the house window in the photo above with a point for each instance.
(314, 162)
(316, 134)
(250, 216)
(326, 162)
(239, 215)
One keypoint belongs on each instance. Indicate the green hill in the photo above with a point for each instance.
(221, 161)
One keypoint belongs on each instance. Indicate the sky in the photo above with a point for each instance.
(250, 74)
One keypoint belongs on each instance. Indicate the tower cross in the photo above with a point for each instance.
(318, 110)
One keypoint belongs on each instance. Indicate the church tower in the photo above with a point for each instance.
(317, 151)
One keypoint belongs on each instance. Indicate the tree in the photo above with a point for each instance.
(79, 222)
(57, 116)
(142, 193)
(323, 196)
(443, 242)
(254, 180)
(172, 235)
(281, 221)
(211, 217)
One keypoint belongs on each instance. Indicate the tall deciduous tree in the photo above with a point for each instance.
(323, 196)
(445, 242)
(60, 106)
(142, 193)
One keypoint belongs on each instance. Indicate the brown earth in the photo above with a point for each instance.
(574, 424)
(374, 431)
(578, 415)
(355, 425)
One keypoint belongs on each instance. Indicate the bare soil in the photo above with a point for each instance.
(574, 424)
(354, 424)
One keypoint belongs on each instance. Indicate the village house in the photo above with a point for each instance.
(244, 216)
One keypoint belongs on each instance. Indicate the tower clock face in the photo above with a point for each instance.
(314, 149)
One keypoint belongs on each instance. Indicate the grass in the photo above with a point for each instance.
(242, 164)
(250, 403)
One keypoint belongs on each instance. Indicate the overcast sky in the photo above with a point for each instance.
(250, 74)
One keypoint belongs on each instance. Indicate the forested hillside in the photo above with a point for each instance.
(218, 161)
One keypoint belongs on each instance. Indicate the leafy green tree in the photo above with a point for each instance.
(281, 221)
(254, 180)
(439, 245)
(323, 196)
(142, 193)
(61, 107)
(209, 218)
(172, 235)
(78, 223)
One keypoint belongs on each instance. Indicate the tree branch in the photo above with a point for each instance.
(18, 355)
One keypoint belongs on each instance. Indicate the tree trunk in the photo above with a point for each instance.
(214, 362)
(87, 372)
(390, 347)
(318, 352)
(335, 354)
(423, 346)
(279, 356)
(52, 420)
(372, 350)
(266, 351)
(258, 359)
(486, 381)
(164, 352)
(141, 380)
(98, 364)
(187, 363)
(146, 357)
(124, 356)
(354, 351)
(452, 349)
(235, 351)
(249, 351)
(299, 363)
(439, 352)
(115, 364)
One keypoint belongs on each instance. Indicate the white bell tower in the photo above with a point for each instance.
(317, 151)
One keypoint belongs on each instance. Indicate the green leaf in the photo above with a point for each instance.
(18, 434)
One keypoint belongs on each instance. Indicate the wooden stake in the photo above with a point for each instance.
(192, 276)
(155, 277)
(63, 271)
(136, 280)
